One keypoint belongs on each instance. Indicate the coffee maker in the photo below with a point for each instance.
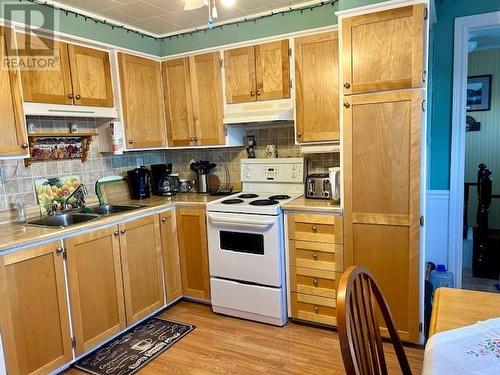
(163, 183)
(139, 182)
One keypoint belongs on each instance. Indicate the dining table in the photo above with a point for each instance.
(464, 333)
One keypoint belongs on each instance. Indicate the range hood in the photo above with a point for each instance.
(268, 111)
(62, 110)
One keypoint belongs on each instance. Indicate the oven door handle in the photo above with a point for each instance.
(214, 218)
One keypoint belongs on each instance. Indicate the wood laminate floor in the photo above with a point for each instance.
(225, 345)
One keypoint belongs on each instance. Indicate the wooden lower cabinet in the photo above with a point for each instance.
(95, 287)
(171, 257)
(140, 246)
(192, 230)
(314, 309)
(34, 319)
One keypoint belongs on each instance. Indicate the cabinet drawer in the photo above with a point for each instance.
(314, 309)
(317, 255)
(315, 282)
(318, 228)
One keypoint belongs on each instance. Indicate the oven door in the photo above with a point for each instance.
(246, 247)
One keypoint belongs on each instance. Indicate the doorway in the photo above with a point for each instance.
(474, 223)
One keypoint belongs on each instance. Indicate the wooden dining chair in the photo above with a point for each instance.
(358, 328)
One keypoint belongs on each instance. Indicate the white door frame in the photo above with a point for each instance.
(463, 27)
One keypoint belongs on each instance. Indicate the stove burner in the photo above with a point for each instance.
(232, 201)
(247, 196)
(263, 202)
(279, 197)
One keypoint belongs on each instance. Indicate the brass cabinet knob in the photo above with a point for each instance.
(314, 228)
(347, 105)
(130, 141)
(59, 250)
(116, 233)
(163, 219)
(71, 96)
(252, 93)
(347, 85)
(123, 231)
(191, 139)
(196, 139)
(259, 93)
(299, 134)
(315, 256)
(78, 97)
(316, 309)
(24, 146)
(315, 282)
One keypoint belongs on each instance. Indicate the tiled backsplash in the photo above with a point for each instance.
(17, 181)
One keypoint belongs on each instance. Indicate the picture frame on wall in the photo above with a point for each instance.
(479, 93)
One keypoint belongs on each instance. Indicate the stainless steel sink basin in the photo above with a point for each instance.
(108, 209)
(63, 220)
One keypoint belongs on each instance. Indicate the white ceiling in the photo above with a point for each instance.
(164, 17)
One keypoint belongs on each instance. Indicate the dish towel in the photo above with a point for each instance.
(473, 349)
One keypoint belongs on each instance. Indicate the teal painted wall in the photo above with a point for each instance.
(96, 31)
(442, 82)
(278, 24)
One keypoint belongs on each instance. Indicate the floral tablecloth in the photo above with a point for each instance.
(474, 349)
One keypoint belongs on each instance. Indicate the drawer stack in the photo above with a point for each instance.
(316, 265)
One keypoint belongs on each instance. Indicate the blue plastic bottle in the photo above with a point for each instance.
(440, 277)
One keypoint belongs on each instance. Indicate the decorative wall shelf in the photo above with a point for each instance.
(58, 146)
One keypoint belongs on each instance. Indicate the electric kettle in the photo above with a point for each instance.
(335, 183)
(139, 182)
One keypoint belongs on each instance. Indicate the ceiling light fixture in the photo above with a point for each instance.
(210, 4)
(228, 3)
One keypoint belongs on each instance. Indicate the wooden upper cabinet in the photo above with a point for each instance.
(13, 139)
(46, 85)
(384, 50)
(317, 88)
(142, 102)
(260, 72)
(171, 257)
(95, 287)
(206, 83)
(91, 76)
(273, 70)
(142, 267)
(192, 231)
(178, 102)
(382, 146)
(239, 65)
(34, 318)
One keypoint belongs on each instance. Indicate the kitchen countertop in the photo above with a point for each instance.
(315, 205)
(13, 235)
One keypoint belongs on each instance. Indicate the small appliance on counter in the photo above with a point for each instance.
(318, 186)
(334, 175)
(202, 168)
(163, 182)
(138, 179)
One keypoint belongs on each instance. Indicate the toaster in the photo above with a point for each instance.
(318, 186)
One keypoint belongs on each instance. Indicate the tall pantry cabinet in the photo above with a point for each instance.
(383, 86)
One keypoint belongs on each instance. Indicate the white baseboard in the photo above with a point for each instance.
(436, 224)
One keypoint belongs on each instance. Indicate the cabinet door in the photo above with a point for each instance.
(34, 316)
(53, 84)
(383, 50)
(95, 287)
(239, 66)
(171, 258)
(178, 102)
(13, 140)
(317, 88)
(192, 229)
(142, 267)
(382, 144)
(142, 102)
(272, 63)
(206, 84)
(91, 76)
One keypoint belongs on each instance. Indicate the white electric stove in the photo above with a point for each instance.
(246, 241)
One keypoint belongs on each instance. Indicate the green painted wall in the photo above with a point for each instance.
(96, 31)
(278, 24)
(441, 73)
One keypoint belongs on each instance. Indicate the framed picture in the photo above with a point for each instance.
(479, 93)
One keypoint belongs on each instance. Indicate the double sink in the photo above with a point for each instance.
(83, 215)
